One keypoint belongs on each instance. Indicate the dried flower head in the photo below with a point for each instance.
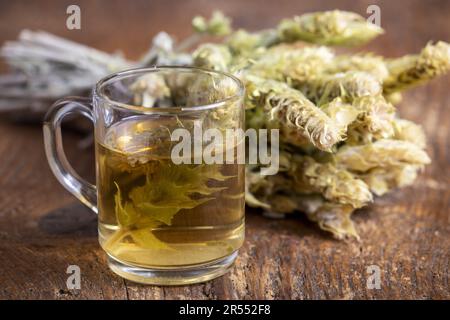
(383, 180)
(375, 120)
(212, 56)
(409, 131)
(369, 63)
(329, 28)
(217, 25)
(347, 85)
(292, 64)
(334, 184)
(410, 70)
(382, 153)
(291, 112)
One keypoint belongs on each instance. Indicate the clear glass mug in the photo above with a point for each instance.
(167, 214)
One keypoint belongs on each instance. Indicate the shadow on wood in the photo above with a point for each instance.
(73, 219)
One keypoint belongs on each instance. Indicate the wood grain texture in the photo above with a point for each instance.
(43, 229)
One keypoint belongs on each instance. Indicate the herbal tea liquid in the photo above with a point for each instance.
(156, 214)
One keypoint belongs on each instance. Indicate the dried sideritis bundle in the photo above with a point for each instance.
(341, 140)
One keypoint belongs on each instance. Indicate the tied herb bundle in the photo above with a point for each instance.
(341, 140)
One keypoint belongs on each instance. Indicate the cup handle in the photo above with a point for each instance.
(66, 175)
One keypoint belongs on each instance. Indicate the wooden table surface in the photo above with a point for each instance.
(43, 229)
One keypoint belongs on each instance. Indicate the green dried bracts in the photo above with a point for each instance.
(380, 154)
(348, 85)
(243, 43)
(433, 60)
(292, 64)
(375, 120)
(409, 131)
(334, 184)
(218, 25)
(368, 63)
(343, 114)
(334, 218)
(382, 180)
(212, 56)
(290, 111)
(278, 196)
(339, 28)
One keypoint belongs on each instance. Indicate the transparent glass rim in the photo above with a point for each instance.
(98, 90)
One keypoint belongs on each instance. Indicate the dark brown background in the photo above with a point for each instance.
(43, 229)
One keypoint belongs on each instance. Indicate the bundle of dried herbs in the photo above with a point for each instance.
(341, 139)
(342, 142)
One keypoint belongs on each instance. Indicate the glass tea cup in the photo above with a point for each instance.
(170, 207)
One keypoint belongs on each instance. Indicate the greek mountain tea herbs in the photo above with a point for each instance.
(341, 139)
(153, 213)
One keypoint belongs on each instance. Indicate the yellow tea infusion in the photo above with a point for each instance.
(154, 213)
